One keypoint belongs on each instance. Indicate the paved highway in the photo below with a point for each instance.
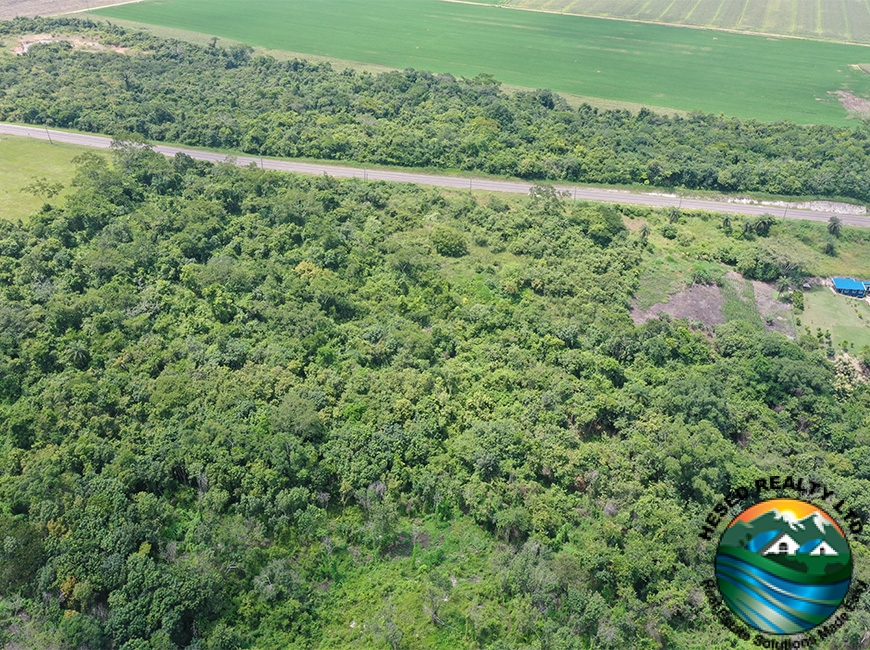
(586, 193)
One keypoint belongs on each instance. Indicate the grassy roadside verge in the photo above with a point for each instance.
(22, 160)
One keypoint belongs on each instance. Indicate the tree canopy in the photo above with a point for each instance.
(243, 409)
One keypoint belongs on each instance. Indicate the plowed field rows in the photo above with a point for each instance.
(842, 20)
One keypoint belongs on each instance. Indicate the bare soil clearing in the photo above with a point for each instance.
(853, 104)
(776, 314)
(699, 303)
(77, 42)
(704, 303)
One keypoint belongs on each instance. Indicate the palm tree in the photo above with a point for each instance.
(79, 355)
(834, 226)
(764, 224)
(645, 230)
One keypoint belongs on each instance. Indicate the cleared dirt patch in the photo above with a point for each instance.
(709, 304)
(854, 104)
(91, 45)
(776, 314)
(699, 302)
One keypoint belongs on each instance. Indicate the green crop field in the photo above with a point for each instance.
(685, 69)
(843, 20)
(22, 160)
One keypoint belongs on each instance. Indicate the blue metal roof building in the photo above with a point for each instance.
(850, 287)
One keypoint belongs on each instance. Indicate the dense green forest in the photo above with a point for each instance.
(227, 98)
(243, 409)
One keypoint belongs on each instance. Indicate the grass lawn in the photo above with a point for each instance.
(684, 69)
(848, 319)
(22, 160)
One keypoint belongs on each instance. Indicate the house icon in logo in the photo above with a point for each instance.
(784, 544)
(823, 549)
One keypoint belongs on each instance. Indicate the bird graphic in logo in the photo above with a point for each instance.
(783, 566)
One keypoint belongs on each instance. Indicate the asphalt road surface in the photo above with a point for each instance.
(459, 182)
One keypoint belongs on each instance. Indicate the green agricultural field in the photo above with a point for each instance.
(843, 20)
(22, 160)
(848, 319)
(684, 69)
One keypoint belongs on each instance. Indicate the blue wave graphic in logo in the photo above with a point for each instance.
(771, 603)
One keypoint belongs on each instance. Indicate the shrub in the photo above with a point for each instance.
(669, 231)
(797, 299)
(706, 275)
(449, 242)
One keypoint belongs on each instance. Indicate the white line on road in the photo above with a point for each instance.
(457, 182)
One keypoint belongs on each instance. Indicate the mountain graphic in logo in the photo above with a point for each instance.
(783, 566)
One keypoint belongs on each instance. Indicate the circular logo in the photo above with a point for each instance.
(783, 566)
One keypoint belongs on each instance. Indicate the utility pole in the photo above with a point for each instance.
(48, 134)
